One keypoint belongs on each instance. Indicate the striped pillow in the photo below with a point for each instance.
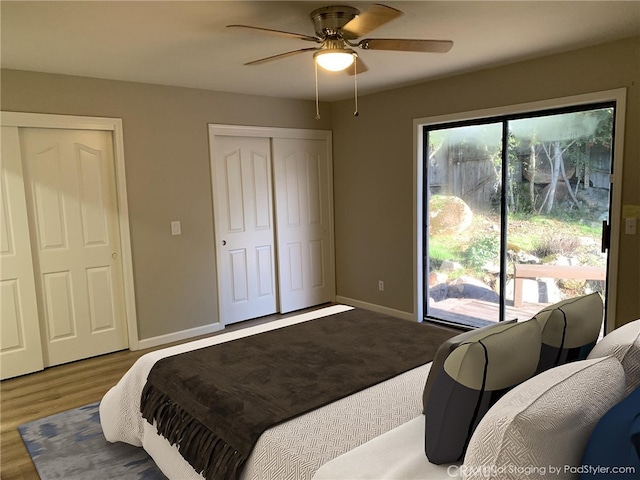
(449, 346)
(570, 329)
(473, 377)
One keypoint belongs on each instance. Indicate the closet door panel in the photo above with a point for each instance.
(245, 253)
(73, 210)
(20, 345)
(303, 213)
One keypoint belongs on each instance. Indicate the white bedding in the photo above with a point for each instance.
(395, 455)
(293, 450)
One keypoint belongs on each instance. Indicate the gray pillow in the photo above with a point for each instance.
(570, 329)
(624, 344)
(449, 346)
(545, 422)
(473, 377)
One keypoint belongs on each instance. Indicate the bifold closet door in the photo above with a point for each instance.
(75, 238)
(20, 347)
(303, 216)
(244, 227)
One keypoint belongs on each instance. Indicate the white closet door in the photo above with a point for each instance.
(303, 219)
(244, 227)
(20, 347)
(71, 197)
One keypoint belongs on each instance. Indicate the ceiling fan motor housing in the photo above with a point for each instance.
(328, 21)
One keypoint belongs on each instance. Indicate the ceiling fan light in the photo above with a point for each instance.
(335, 60)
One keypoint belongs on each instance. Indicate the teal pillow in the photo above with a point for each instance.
(615, 442)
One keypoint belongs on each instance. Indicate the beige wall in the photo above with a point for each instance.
(168, 177)
(373, 163)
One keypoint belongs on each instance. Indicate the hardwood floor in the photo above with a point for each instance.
(52, 391)
(60, 388)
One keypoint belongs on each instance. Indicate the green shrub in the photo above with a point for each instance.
(482, 251)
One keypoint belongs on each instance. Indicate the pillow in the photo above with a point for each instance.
(472, 378)
(615, 441)
(570, 329)
(624, 344)
(449, 346)
(544, 424)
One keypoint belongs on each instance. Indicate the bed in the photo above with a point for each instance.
(295, 449)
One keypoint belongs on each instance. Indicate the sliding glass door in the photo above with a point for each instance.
(513, 213)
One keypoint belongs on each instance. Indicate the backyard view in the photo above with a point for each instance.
(521, 214)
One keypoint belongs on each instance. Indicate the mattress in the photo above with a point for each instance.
(295, 449)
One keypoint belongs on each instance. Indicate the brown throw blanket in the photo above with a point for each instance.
(214, 403)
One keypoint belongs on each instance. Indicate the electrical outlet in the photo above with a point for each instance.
(381, 285)
(175, 228)
(630, 226)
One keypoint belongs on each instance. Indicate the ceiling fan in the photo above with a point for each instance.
(338, 29)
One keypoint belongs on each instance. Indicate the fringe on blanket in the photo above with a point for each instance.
(208, 454)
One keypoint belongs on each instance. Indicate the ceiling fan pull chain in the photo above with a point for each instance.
(317, 102)
(355, 84)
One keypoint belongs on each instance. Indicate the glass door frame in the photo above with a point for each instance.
(616, 97)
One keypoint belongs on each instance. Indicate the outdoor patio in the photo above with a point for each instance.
(478, 313)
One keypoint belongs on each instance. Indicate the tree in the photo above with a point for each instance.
(561, 137)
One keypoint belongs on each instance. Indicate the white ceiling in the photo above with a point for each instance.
(185, 43)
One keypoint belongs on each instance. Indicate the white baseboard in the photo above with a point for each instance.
(216, 327)
(376, 308)
(177, 336)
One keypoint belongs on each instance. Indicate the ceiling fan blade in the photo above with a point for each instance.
(369, 20)
(406, 45)
(282, 33)
(280, 55)
(361, 66)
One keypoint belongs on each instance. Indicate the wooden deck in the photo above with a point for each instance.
(478, 313)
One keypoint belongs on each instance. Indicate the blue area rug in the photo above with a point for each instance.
(70, 445)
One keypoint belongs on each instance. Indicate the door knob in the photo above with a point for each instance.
(224, 242)
(114, 255)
